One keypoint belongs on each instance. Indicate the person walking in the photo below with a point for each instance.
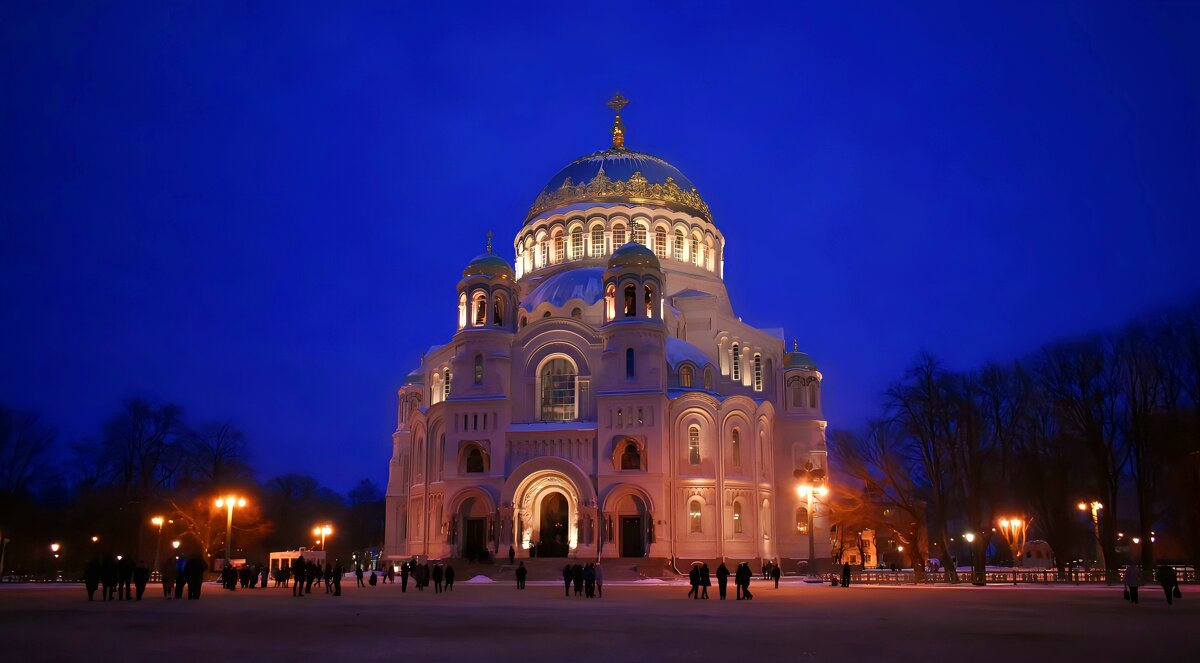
(108, 577)
(749, 575)
(568, 575)
(1169, 582)
(1133, 579)
(775, 573)
(358, 573)
(846, 574)
(589, 581)
(437, 579)
(722, 580)
(141, 578)
(168, 580)
(338, 572)
(705, 581)
(577, 578)
(521, 573)
(91, 577)
(125, 578)
(180, 577)
(449, 576)
(694, 582)
(194, 570)
(599, 573)
(299, 565)
(390, 576)
(404, 577)
(512, 554)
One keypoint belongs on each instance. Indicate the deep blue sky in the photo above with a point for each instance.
(260, 212)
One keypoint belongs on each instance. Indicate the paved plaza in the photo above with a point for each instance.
(488, 622)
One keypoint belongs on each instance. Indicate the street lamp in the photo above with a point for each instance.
(812, 483)
(1095, 508)
(228, 502)
(95, 539)
(157, 520)
(322, 531)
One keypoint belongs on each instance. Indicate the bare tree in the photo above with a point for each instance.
(25, 446)
(216, 454)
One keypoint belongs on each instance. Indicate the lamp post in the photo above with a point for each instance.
(1094, 506)
(322, 531)
(228, 502)
(54, 548)
(158, 521)
(812, 483)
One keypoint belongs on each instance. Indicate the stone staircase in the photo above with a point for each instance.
(550, 568)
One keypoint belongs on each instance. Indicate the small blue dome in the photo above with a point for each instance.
(619, 164)
(635, 255)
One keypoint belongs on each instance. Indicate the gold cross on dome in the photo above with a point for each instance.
(489, 247)
(617, 103)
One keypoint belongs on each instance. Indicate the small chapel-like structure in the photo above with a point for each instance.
(601, 399)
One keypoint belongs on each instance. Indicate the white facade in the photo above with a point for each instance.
(602, 399)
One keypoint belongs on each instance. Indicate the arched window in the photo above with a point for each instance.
(685, 376)
(475, 460)
(618, 236)
(577, 313)
(708, 379)
(735, 448)
(631, 458)
(498, 310)
(737, 363)
(798, 393)
(694, 250)
(545, 253)
(524, 321)
(462, 310)
(660, 242)
(694, 515)
(597, 241)
(801, 520)
(559, 246)
(649, 302)
(679, 245)
(758, 372)
(577, 243)
(546, 314)
(630, 300)
(694, 445)
(558, 390)
(639, 232)
(812, 394)
(629, 363)
(478, 368)
(610, 302)
(479, 306)
(737, 517)
(446, 384)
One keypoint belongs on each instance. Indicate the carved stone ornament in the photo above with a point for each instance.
(635, 190)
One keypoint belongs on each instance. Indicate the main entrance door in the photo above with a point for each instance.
(552, 541)
(631, 537)
(474, 537)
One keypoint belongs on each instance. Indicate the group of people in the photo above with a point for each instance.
(442, 576)
(307, 573)
(118, 575)
(700, 579)
(247, 575)
(771, 571)
(586, 579)
(1131, 577)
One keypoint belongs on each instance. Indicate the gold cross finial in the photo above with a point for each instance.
(795, 345)
(618, 131)
(489, 243)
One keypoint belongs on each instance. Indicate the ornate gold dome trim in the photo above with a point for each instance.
(635, 190)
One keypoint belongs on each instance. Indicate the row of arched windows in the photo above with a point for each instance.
(696, 517)
(476, 314)
(545, 246)
(735, 366)
(648, 305)
(735, 446)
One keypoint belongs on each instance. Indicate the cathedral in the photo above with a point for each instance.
(601, 399)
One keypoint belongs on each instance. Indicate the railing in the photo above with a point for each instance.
(1185, 576)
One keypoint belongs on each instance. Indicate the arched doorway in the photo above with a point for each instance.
(472, 518)
(553, 528)
(632, 521)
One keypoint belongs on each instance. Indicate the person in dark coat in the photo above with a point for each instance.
(512, 554)
(521, 573)
(746, 578)
(180, 577)
(298, 567)
(403, 577)
(312, 575)
(846, 574)
(108, 577)
(775, 573)
(328, 578)
(568, 576)
(91, 577)
(390, 576)
(705, 580)
(338, 572)
(1168, 581)
(741, 578)
(598, 571)
(358, 573)
(141, 577)
(694, 582)
(125, 567)
(589, 582)
(577, 579)
(168, 580)
(373, 580)
(722, 579)
(437, 579)
(194, 570)
(449, 575)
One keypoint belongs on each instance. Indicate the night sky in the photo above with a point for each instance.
(260, 212)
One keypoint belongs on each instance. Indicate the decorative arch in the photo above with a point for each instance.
(528, 485)
(621, 455)
(465, 456)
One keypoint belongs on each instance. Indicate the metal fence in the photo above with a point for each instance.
(1185, 575)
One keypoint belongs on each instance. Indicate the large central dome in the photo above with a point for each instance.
(619, 175)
